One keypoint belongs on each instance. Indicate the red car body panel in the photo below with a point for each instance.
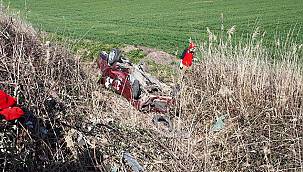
(118, 79)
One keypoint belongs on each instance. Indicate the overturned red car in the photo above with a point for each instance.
(145, 92)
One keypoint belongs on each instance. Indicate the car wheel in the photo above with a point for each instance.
(114, 56)
(136, 89)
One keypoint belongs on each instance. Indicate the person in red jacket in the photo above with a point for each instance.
(188, 56)
(8, 110)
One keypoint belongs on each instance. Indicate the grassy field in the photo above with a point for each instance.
(159, 24)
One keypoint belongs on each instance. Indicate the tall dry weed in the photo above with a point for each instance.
(259, 91)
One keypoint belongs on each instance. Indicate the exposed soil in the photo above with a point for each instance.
(159, 57)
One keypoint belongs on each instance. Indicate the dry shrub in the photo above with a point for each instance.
(262, 100)
(48, 82)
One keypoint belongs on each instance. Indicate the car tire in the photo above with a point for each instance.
(136, 91)
(114, 56)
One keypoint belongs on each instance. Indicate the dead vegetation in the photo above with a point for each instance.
(261, 100)
(79, 126)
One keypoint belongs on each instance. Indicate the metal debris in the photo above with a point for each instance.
(219, 125)
(132, 162)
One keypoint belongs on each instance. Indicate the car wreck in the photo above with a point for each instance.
(145, 92)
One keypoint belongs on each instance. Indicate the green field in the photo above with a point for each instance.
(158, 23)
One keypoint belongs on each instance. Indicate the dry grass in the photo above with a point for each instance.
(263, 101)
(89, 127)
(49, 83)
